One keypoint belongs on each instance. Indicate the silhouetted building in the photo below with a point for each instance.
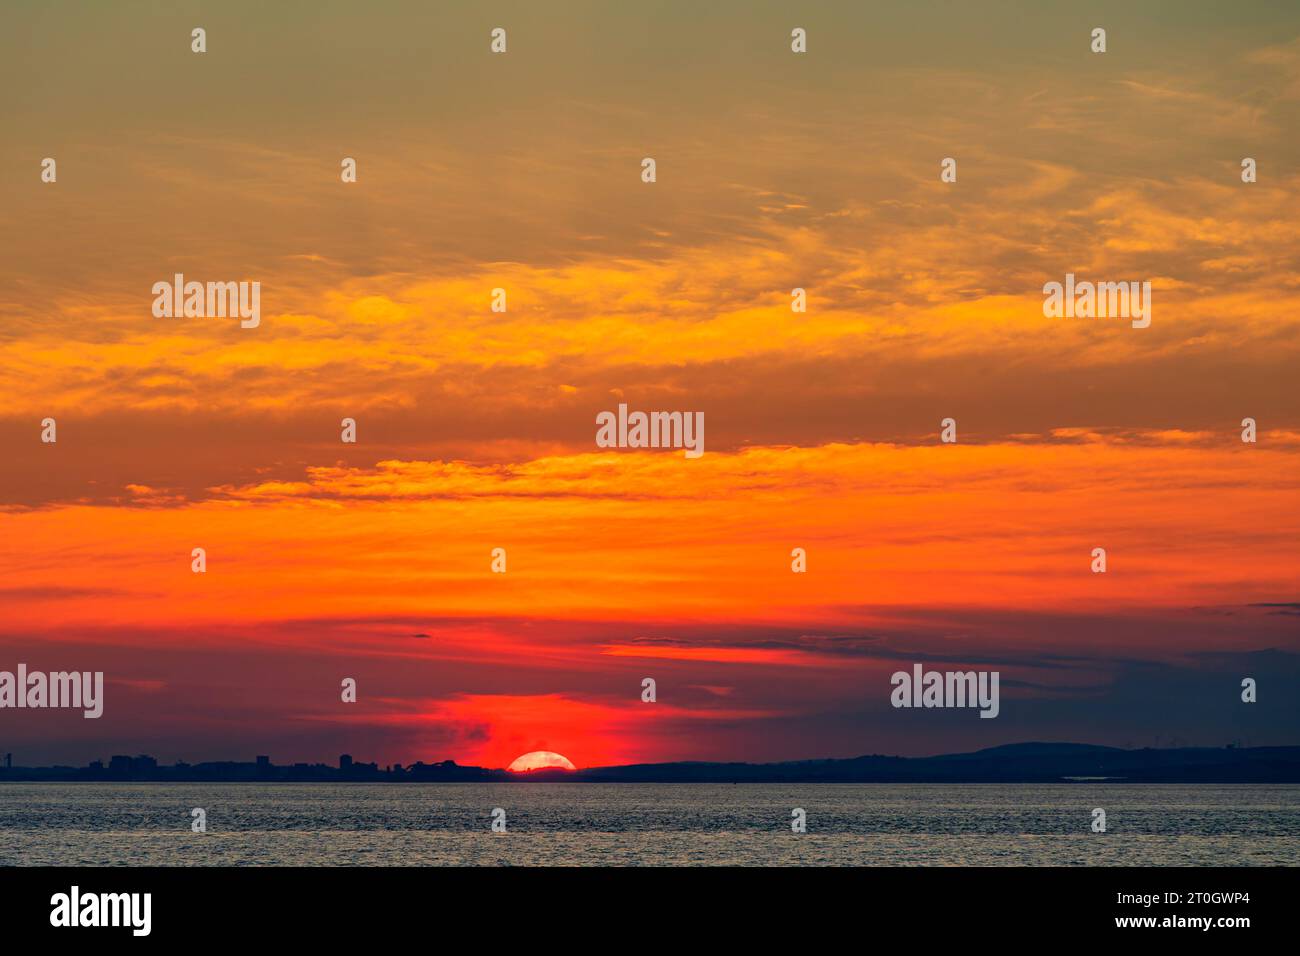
(9, 761)
(121, 765)
(345, 762)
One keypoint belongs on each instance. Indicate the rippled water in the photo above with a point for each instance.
(580, 824)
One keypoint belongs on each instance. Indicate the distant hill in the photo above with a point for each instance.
(1035, 750)
(1011, 763)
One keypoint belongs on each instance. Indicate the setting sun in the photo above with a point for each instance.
(541, 760)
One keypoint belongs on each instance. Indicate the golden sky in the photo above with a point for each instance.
(476, 429)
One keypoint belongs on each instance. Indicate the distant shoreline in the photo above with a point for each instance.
(1037, 763)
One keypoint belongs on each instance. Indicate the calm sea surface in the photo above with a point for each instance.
(648, 824)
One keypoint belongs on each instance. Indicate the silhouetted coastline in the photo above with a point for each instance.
(1012, 763)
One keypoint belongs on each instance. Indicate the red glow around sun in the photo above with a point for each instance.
(541, 760)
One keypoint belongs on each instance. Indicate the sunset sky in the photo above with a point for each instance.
(476, 429)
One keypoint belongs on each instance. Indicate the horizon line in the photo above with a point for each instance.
(352, 762)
